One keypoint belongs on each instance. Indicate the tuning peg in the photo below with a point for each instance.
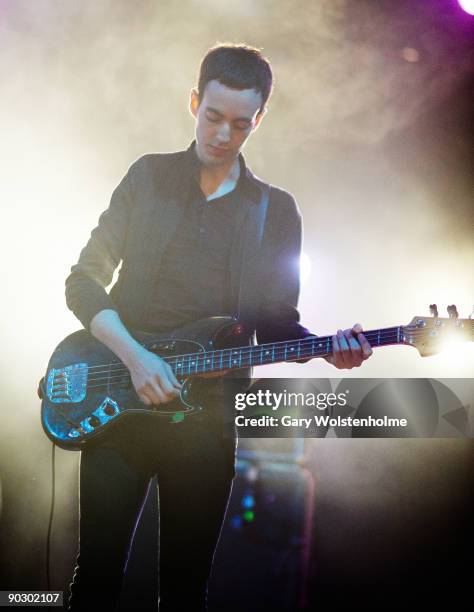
(452, 312)
(434, 310)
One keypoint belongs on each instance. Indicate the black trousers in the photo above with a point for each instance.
(194, 465)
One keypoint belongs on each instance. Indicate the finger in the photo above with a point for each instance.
(155, 393)
(168, 388)
(344, 343)
(366, 348)
(338, 361)
(354, 357)
(144, 399)
(164, 382)
(171, 375)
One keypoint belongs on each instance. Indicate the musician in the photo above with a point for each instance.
(178, 222)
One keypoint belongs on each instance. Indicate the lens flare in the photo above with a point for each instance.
(305, 268)
(467, 6)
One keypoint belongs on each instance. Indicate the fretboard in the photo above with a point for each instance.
(276, 352)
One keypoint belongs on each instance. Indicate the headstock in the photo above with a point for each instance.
(431, 335)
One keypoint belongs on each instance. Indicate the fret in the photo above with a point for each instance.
(206, 362)
(292, 349)
(273, 352)
(286, 348)
(234, 361)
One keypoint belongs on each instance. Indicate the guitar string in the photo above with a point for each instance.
(310, 339)
(244, 351)
(127, 375)
(200, 364)
(372, 333)
(115, 367)
(199, 367)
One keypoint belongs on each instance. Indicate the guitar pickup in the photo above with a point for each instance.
(163, 346)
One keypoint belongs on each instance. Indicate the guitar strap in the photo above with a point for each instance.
(249, 295)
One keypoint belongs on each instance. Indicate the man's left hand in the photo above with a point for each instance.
(350, 348)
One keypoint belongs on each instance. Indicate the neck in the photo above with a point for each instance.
(212, 177)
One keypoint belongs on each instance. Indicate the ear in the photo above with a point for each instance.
(194, 102)
(259, 118)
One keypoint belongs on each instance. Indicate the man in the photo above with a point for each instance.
(181, 224)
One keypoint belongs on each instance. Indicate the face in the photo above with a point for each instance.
(225, 118)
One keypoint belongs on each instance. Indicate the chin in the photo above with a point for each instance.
(210, 160)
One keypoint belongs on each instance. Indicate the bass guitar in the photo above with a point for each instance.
(86, 388)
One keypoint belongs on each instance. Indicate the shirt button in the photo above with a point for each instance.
(201, 230)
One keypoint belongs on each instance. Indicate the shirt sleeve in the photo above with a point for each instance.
(279, 317)
(85, 285)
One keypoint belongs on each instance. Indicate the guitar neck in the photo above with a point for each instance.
(275, 352)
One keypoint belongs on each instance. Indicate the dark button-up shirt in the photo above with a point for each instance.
(193, 280)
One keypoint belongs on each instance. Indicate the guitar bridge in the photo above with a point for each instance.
(67, 385)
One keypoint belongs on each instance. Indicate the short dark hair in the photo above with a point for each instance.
(237, 67)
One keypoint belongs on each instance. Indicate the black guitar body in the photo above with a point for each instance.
(87, 388)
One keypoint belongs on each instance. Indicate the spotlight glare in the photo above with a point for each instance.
(305, 268)
(467, 6)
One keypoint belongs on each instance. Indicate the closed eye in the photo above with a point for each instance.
(215, 117)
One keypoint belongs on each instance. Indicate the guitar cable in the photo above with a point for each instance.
(40, 392)
(51, 512)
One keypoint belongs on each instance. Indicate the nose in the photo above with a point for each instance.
(224, 133)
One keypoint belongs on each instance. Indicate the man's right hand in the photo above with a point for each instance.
(153, 378)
